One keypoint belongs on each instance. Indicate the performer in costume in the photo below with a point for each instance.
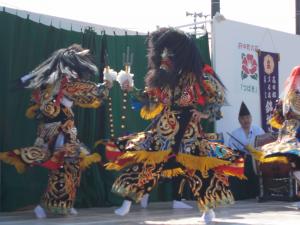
(57, 84)
(179, 93)
(286, 118)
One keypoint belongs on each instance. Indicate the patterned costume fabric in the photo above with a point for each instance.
(58, 84)
(175, 145)
(286, 118)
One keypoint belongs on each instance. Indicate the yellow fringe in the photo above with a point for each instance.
(15, 161)
(258, 155)
(95, 104)
(113, 166)
(172, 172)
(241, 177)
(30, 112)
(201, 163)
(147, 156)
(273, 122)
(278, 159)
(87, 160)
(150, 113)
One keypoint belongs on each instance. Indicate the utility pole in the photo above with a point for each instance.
(297, 2)
(195, 15)
(215, 7)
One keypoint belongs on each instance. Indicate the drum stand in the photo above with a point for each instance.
(278, 188)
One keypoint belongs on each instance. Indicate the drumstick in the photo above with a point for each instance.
(250, 149)
(242, 150)
(244, 146)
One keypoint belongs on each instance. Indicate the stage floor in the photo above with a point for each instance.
(241, 213)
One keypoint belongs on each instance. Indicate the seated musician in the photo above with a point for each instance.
(240, 137)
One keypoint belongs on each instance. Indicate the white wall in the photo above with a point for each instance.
(227, 61)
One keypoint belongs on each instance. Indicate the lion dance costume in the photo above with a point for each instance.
(174, 145)
(286, 118)
(57, 84)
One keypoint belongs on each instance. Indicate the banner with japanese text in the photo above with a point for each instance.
(248, 69)
(269, 85)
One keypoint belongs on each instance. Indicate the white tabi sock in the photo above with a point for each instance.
(73, 211)
(208, 216)
(144, 201)
(39, 212)
(124, 209)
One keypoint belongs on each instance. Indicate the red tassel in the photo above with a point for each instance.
(50, 165)
(201, 100)
(113, 155)
(208, 69)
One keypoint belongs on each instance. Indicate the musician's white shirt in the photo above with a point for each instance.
(243, 138)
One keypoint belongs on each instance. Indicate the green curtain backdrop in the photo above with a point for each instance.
(24, 44)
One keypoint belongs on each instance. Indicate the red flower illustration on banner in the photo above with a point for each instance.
(249, 66)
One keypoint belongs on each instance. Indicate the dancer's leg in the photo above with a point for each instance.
(60, 193)
(177, 194)
(136, 178)
(202, 188)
